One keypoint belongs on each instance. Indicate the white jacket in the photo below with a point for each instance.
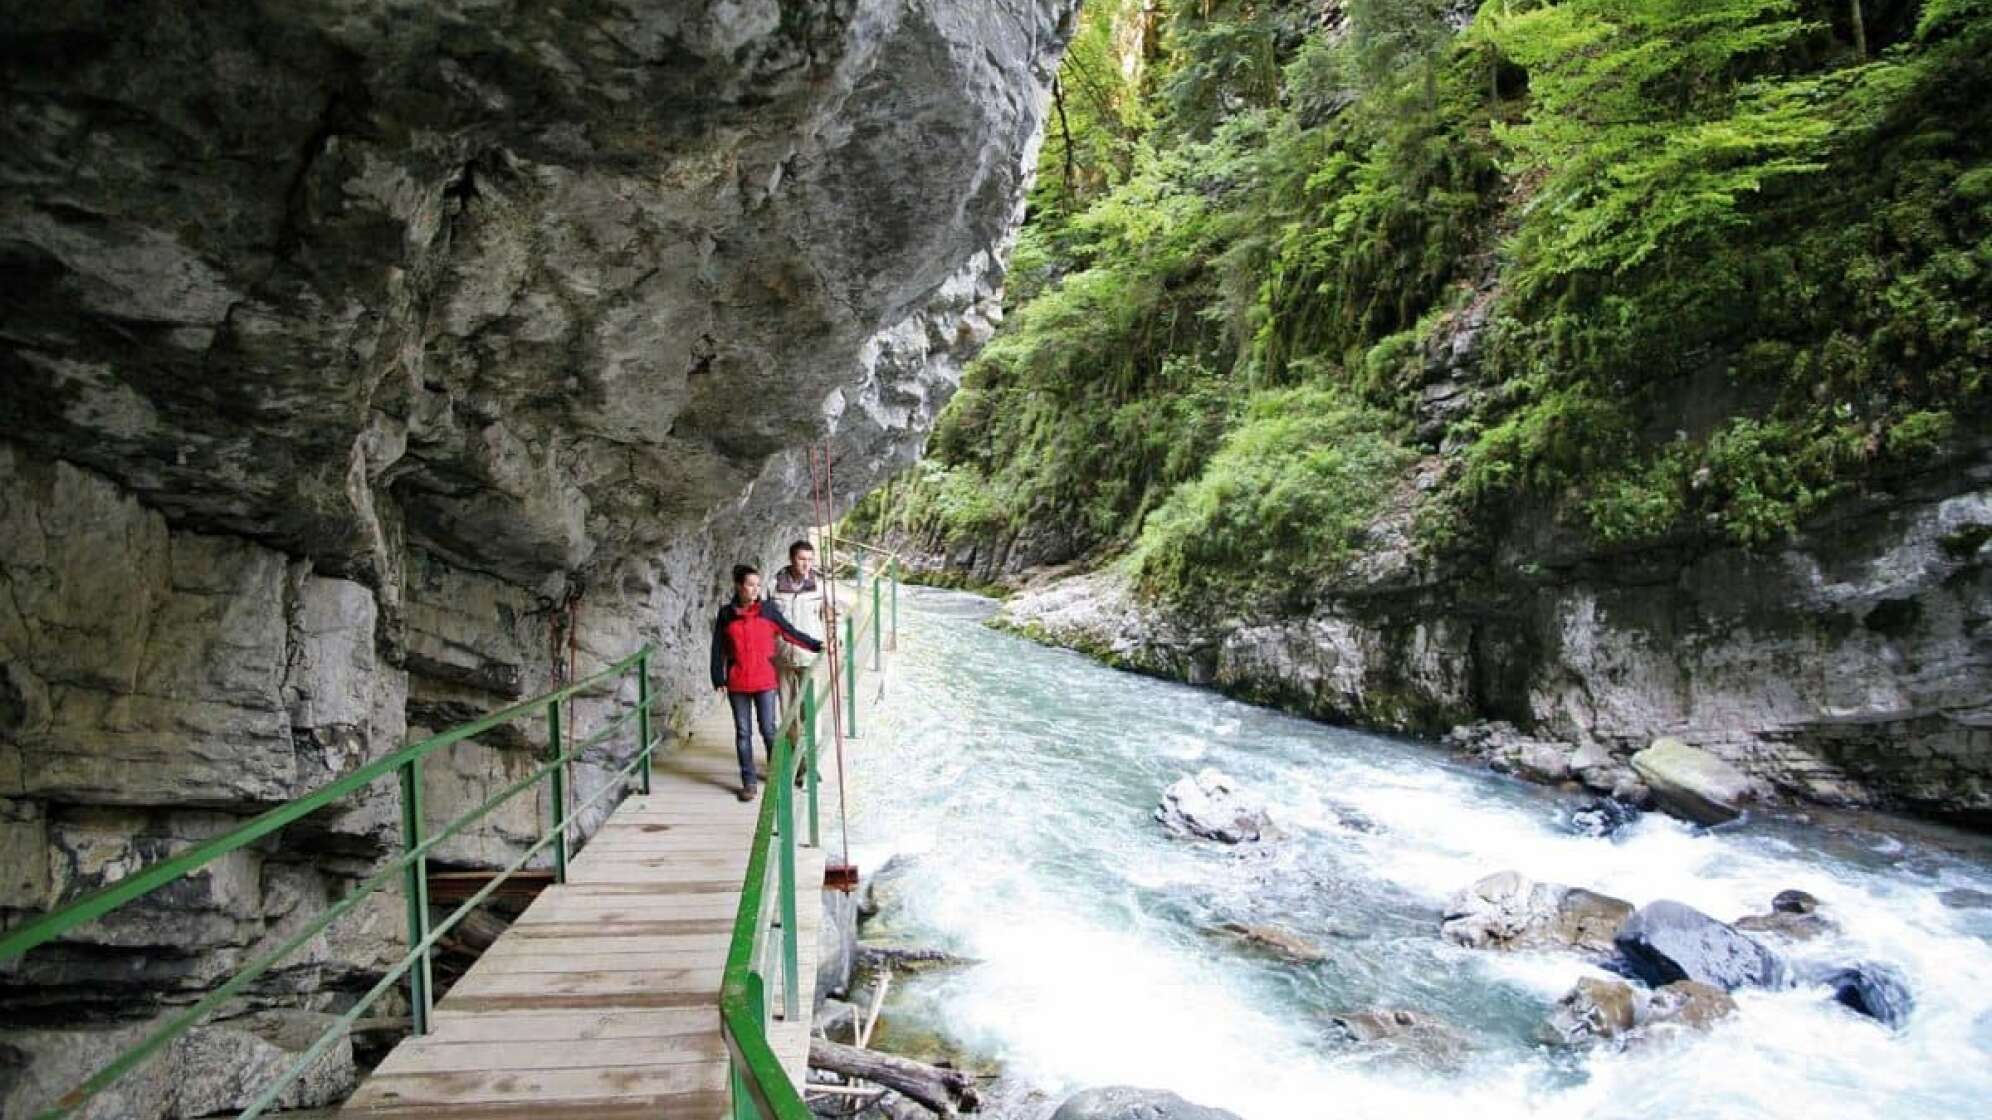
(804, 604)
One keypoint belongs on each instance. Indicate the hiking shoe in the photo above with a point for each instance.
(745, 793)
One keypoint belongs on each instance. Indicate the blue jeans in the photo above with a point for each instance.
(748, 708)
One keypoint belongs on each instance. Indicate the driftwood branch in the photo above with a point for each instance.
(946, 1092)
(898, 958)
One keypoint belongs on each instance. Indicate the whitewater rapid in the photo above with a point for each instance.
(1016, 784)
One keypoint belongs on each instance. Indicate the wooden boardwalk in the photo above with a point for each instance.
(602, 1001)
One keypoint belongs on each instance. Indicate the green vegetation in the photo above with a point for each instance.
(1685, 270)
(1286, 496)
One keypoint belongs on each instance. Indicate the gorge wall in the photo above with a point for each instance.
(360, 361)
(1400, 364)
(1848, 666)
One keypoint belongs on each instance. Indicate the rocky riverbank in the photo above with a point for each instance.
(1850, 666)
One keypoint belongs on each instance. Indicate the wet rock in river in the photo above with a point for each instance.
(1125, 1102)
(1509, 910)
(1692, 783)
(1275, 940)
(1964, 898)
(1598, 1010)
(1794, 916)
(1411, 1034)
(1602, 816)
(1593, 1010)
(1791, 927)
(836, 1021)
(1542, 762)
(1688, 1003)
(885, 889)
(1668, 941)
(1874, 990)
(1212, 806)
(1793, 902)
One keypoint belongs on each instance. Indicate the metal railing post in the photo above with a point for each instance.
(785, 896)
(893, 643)
(743, 1097)
(643, 716)
(557, 777)
(851, 675)
(878, 632)
(415, 884)
(809, 755)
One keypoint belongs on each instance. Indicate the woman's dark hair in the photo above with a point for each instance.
(742, 571)
(798, 547)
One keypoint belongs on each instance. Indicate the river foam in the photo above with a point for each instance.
(1016, 784)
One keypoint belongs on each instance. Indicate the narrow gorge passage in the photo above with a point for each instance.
(1017, 829)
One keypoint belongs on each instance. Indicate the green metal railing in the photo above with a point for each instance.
(410, 868)
(766, 922)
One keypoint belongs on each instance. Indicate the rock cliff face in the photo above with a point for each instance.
(360, 360)
(1852, 665)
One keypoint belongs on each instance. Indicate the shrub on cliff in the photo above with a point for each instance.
(1280, 505)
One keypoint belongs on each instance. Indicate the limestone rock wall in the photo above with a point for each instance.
(363, 365)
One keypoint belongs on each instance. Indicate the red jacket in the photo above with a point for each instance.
(743, 646)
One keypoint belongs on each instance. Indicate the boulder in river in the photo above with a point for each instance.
(1687, 1002)
(1793, 902)
(1275, 940)
(1211, 805)
(1794, 916)
(1547, 763)
(1593, 1010)
(1125, 1102)
(1602, 816)
(1668, 941)
(1597, 1010)
(1964, 898)
(836, 1021)
(1692, 783)
(1424, 1038)
(1508, 910)
(885, 889)
(1874, 990)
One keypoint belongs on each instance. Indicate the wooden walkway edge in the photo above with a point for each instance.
(602, 1000)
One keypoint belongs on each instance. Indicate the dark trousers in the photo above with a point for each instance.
(749, 708)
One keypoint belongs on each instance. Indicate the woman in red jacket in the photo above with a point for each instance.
(743, 666)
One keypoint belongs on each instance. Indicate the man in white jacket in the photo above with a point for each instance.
(809, 603)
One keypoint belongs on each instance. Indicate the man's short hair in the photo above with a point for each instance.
(742, 571)
(800, 546)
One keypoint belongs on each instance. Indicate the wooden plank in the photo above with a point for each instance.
(587, 982)
(556, 905)
(505, 1026)
(586, 1001)
(669, 1106)
(709, 955)
(538, 1086)
(425, 1057)
(684, 886)
(649, 927)
(585, 944)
